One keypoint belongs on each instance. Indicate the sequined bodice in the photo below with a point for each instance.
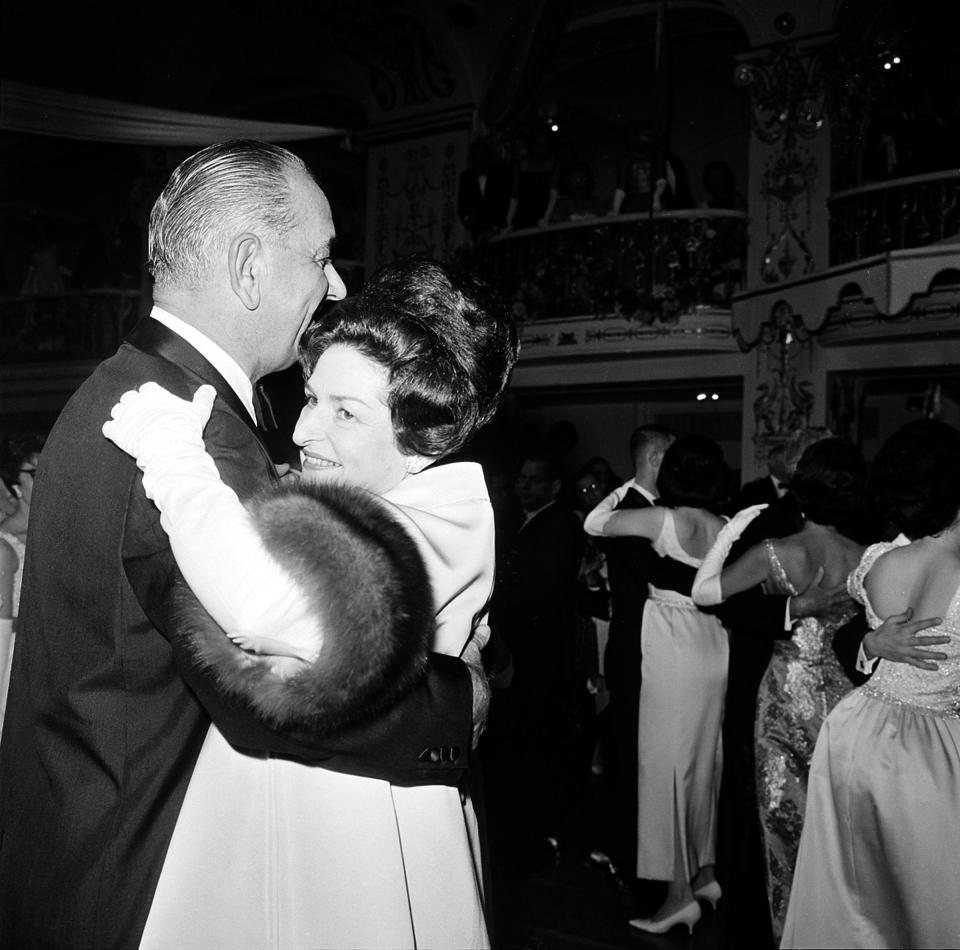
(814, 677)
(935, 690)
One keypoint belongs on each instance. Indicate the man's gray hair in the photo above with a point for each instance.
(215, 194)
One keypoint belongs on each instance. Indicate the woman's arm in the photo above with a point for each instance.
(217, 548)
(747, 571)
(708, 588)
(605, 520)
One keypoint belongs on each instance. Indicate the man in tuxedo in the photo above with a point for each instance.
(630, 563)
(484, 192)
(534, 608)
(106, 714)
(773, 486)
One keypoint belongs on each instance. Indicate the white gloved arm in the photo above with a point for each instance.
(215, 543)
(707, 589)
(599, 516)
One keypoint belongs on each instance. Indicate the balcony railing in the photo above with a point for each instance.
(894, 216)
(77, 325)
(641, 267)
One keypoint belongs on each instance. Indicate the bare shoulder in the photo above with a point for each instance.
(922, 574)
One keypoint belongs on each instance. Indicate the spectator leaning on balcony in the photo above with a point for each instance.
(535, 182)
(484, 192)
(720, 184)
(645, 182)
(577, 200)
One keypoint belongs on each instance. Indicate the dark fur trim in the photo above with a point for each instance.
(371, 592)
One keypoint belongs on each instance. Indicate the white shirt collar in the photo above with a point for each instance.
(781, 489)
(221, 361)
(528, 516)
(633, 483)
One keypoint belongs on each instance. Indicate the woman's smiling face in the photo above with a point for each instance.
(345, 432)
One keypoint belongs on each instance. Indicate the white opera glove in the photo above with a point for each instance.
(213, 538)
(707, 590)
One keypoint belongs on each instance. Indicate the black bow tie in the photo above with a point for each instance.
(263, 408)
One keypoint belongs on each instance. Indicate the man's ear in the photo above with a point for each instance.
(245, 263)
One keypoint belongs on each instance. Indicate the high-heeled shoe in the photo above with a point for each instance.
(689, 914)
(711, 893)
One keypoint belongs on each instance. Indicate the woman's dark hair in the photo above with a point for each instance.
(447, 341)
(830, 485)
(916, 478)
(18, 447)
(693, 473)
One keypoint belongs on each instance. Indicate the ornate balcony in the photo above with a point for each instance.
(657, 282)
(82, 325)
(894, 216)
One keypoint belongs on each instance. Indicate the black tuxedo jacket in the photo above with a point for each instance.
(631, 566)
(105, 716)
(758, 492)
(484, 211)
(537, 585)
(752, 613)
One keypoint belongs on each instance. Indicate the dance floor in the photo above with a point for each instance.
(571, 904)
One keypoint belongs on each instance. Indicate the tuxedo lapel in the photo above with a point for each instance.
(153, 337)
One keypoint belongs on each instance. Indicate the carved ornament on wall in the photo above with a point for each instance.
(395, 50)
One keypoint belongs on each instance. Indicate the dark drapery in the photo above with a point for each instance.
(529, 45)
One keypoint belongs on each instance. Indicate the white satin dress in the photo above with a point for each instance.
(879, 858)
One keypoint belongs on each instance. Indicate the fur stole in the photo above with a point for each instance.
(367, 583)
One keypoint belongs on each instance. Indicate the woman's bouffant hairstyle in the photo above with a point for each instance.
(17, 449)
(447, 341)
(916, 478)
(693, 473)
(830, 484)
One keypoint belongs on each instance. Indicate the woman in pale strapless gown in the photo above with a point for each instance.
(878, 858)
(685, 654)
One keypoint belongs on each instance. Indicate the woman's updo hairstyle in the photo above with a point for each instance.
(693, 473)
(830, 485)
(446, 340)
(916, 478)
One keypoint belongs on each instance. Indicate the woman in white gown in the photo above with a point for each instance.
(684, 672)
(877, 865)
(272, 852)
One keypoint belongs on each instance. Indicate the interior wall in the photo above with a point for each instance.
(604, 423)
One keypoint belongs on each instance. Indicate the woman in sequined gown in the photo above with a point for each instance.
(804, 679)
(877, 865)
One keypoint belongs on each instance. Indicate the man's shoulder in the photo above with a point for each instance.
(553, 520)
(633, 498)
